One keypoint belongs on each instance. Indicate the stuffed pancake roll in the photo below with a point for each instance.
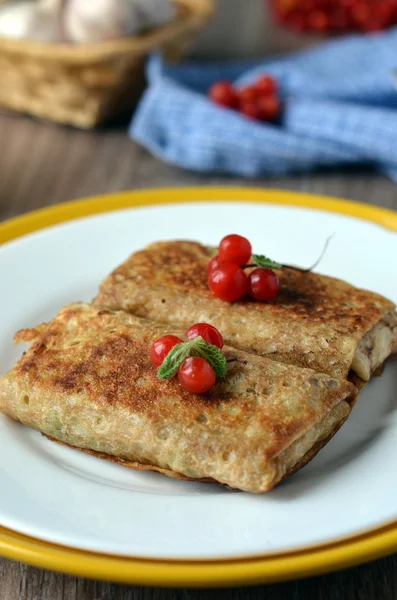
(86, 380)
(314, 321)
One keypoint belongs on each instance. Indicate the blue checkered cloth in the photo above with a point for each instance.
(340, 108)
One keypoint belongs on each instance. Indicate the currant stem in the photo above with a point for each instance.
(252, 266)
(293, 268)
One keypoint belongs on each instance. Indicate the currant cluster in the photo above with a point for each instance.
(339, 16)
(195, 374)
(258, 101)
(226, 276)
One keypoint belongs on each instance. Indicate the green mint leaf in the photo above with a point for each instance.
(264, 261)
(196, 347)
(212, 354)
(173, 360)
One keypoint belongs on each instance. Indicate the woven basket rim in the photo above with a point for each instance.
(197, 13)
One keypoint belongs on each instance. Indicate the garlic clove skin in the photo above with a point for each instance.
(16, 20)
(39, 21)
(86, 21)
(82, 21)
(46, 27)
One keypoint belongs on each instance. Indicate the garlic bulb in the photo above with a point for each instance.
(30, 20)
(87, 21)
(16, 19)
(82, 21)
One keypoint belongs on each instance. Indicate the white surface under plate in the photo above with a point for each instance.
(61, 495)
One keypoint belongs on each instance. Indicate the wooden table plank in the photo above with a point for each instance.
(43, 164)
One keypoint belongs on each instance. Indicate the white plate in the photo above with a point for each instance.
(61, 495)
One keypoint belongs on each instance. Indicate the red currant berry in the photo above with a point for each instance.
(266, 85)
(223, 93)
(298, 21)
(318, 21)
(386, 10)
(339, 20)
(250, 110)
(263, 284)
(213, 264)
(348, 3)
(308, 5)
(228, 282)
(247, 94)
(209, 334)
(161, 347)
(361, 14)
(196, 375)
(235, 248)
(373, 27)
(270, 107)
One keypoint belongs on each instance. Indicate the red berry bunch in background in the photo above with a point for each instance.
(258, 101)
(227, 279)
(337, 16)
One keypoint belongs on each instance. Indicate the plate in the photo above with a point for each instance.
(65, 510)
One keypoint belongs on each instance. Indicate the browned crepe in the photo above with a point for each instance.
(87, 381)
(314, 321)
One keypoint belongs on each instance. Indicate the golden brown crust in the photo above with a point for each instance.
(314, 321)
(87, 381)
(135, 466)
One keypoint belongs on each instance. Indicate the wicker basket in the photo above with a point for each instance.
(83, 85)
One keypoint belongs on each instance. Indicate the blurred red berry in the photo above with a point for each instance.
(321, 16)
(223, 93)
(348, 3)
(361, 14)
(247, 94)
(251, 110)
(266, 85)
(269, 107)
(298, 21)
(318, 21)
(339, 20)
(308, 5)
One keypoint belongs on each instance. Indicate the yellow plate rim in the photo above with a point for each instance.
(259, 569)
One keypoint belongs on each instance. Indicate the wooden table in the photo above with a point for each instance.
(43, 164)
